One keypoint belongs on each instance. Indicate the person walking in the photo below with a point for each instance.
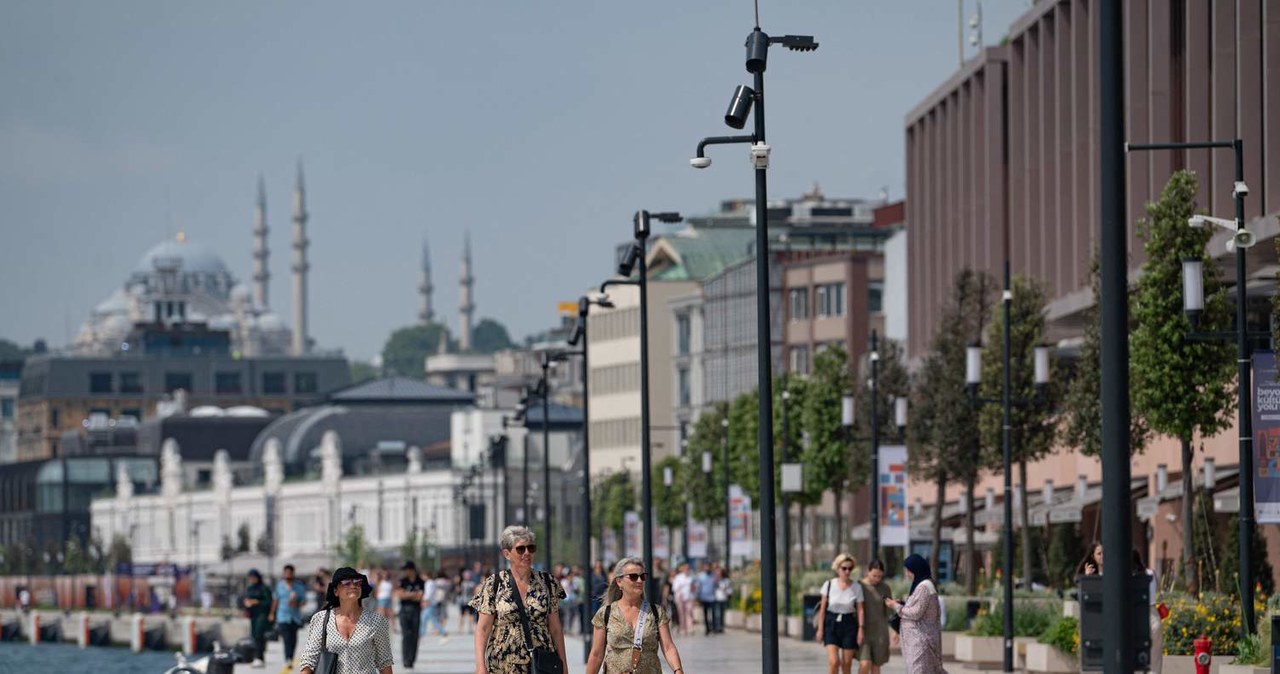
(874, 651)
(519, 611)
(466, 584)
(286, 606)
(434, 611)
(921, 633)
(628, 629)
(358, 638)
(724, 592)
(841, 616)
(257, 607)
(707, 597)
(682, 586)
(410, 595)
(384, 594)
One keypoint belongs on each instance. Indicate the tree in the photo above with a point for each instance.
(489, 336)
(78, 559)
(354, 549)
(11, 351)
(120, 551)
(420, 547)
(1066, 549)
(264, 545)
(892, 383)
(1229, 565)
(705, 492)
(827, 456)
(612, 497)
(668, 502)
(744, 451)
(405, 353)
(942, 429)
(1083, 399)
(792, 444)
(227, 551)
(1032, 424)
(362, 371)
(242, 538)
(1180, 387)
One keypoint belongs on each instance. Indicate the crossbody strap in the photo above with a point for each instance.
(324, 633)
(524, 616)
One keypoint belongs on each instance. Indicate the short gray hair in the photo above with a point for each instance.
(513, 535)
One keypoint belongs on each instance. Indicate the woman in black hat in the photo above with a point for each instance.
(360, 639)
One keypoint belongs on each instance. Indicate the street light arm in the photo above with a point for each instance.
(721, 140)
(617, 282)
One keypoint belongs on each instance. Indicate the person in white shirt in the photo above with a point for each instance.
(682, 587)
(840, 616)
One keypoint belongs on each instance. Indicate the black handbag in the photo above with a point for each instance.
(328, 662)
(541, 660)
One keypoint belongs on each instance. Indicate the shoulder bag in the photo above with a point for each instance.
(328, 662)
(541, 660)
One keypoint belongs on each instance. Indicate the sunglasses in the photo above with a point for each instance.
(350, 582)
(635, 577)
(521, 549)
(846, 568)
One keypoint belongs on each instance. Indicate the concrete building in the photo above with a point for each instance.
(1002, 160)
(10, 380)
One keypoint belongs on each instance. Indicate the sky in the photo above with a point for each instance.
(538, 127)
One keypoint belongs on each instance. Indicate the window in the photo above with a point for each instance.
(177, 380)
(800, 360)
(875, 296)
(273, 382)
(130, 382)
(799, 298)
(830, 299)
(100, 382)
(53, 418)
(6, 408)
(227, 382)
(683, 332)
(684, 392)
(305, 382)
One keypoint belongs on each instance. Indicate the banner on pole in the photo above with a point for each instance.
(740, 529)
(662, 543)
(609, 541)
(631, 533)
(894, 528)
(697, 539)
(1266, 439)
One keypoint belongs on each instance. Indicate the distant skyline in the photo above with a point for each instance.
(539, 128)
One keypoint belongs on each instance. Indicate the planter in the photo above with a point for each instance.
(1046, 658)
(1020, 645)
(1071, 609)
(733, 618)
(1241, 669)
(949, 644)
(979, 650)
(795, 626)
(753, 622)
(1180, 664)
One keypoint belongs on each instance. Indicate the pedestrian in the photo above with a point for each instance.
(841, 616)
(598, 584)
(921, 630)
(1092, 562)
(707, 597)
(466, 585)
(257, 607)
(628, 629)
(874, 652)
(286, 605)
(434, 611)
(724, 590)
(359, 638)
(519, 612)
(384, 594)
(569, 613)
(683, 588)
(410, 595)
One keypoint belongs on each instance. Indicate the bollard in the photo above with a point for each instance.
(188, 636)
(82, 634)
(136, 641)
(34, 623)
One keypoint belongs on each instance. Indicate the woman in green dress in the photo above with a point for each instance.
(623, 611)
(875, 637)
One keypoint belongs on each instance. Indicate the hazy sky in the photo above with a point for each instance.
(538, 126)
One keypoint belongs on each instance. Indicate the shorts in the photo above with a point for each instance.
(384, 603)
(841, 630)
(873, 650)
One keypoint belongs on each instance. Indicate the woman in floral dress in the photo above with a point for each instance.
(500, 645)
(921, 631)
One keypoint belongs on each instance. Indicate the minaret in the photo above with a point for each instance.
(260, 253)
(466, 306)
(300, 266)
(426, 315)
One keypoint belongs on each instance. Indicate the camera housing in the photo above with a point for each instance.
(740, 107)
(700, 162)
(760, 155)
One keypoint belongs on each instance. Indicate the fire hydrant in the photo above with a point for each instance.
(1204, 654)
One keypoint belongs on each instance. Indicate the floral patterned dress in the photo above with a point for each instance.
(506, 652)
(622, 637)
(922, 631)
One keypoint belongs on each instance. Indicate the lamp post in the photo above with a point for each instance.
(786, 502)
(847, 419)
(1193, 303)
(635, 261)
(972, 377)
(549, 360)
(744, 97)
(724, 469)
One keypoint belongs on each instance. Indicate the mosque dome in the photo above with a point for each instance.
(188, 256)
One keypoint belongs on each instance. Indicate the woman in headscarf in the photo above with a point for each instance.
(921, 632)
(360, 638)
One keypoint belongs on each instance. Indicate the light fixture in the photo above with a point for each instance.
(1210, 473)
(706, 462)
(972, 365)
(900, 413)
(1193, 288)
(668, 476)
(1041, 365)
(846, 410)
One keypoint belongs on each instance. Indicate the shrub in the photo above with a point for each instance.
(1215, 615)
(1063, 634)
(1029, 620)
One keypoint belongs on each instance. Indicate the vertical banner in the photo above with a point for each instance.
(894, 528)
(609, 541)
(697, 539)
(1266, 439)
(631, 534)
(740, 528)
(662, 544)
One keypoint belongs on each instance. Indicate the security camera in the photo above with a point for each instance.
(1240, 190)
(760, 155)
(739, 106)
(700, 162)
(1196, 221)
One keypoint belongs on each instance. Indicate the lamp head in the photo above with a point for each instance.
(757, 52)
(577, 333)
(640, 225)
(740, 106)
(797, 42)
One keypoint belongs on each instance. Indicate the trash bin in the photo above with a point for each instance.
(810, 603)
(1275, 644)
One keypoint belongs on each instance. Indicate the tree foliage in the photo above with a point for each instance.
(826, 455)
(420, 547)
(705, 491)
(892, 382)
(354, 549)
(489, 336)
(668, 501)
(612, 496)
(744, 451)
(362, 371)
(407, 348)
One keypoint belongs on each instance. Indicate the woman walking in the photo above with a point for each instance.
(507, 601)
(874, 652)
(841, 616)
(629, 629)
(257, 605)
(921, 631)
(358, 638)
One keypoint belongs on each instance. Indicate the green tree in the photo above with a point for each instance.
(362, 371)
(120, 551)
(1229, 565)
(827, 456)
(77, 558)
(421, 548)
(242, 538)
(354, 549)
(892, 383)
(1066, 549)
(613, 495)
(792, 444)
(11, 351)
(489, 336)
(669, 501)
(1032, 424)
(405, 353)
(744, 453)
(225, 553)
(1180, 386)
(705, 491)
(1082, 401)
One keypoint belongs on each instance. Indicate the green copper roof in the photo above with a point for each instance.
(705, 252)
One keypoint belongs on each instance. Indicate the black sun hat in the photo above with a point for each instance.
(345, 573)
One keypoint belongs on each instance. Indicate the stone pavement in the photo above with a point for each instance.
(735, 652)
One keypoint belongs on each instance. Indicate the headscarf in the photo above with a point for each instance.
(919, 568)
(331, 594)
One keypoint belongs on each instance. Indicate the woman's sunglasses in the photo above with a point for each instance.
(521, 549)
(847, 568)
(350, 582)
(636, 577)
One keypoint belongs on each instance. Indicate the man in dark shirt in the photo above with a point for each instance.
(410, 595)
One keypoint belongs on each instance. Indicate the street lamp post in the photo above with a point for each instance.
(744, 97)
(548, 361)
(972, 377)
(1193, 302)
(847, 419)
(728, 523)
